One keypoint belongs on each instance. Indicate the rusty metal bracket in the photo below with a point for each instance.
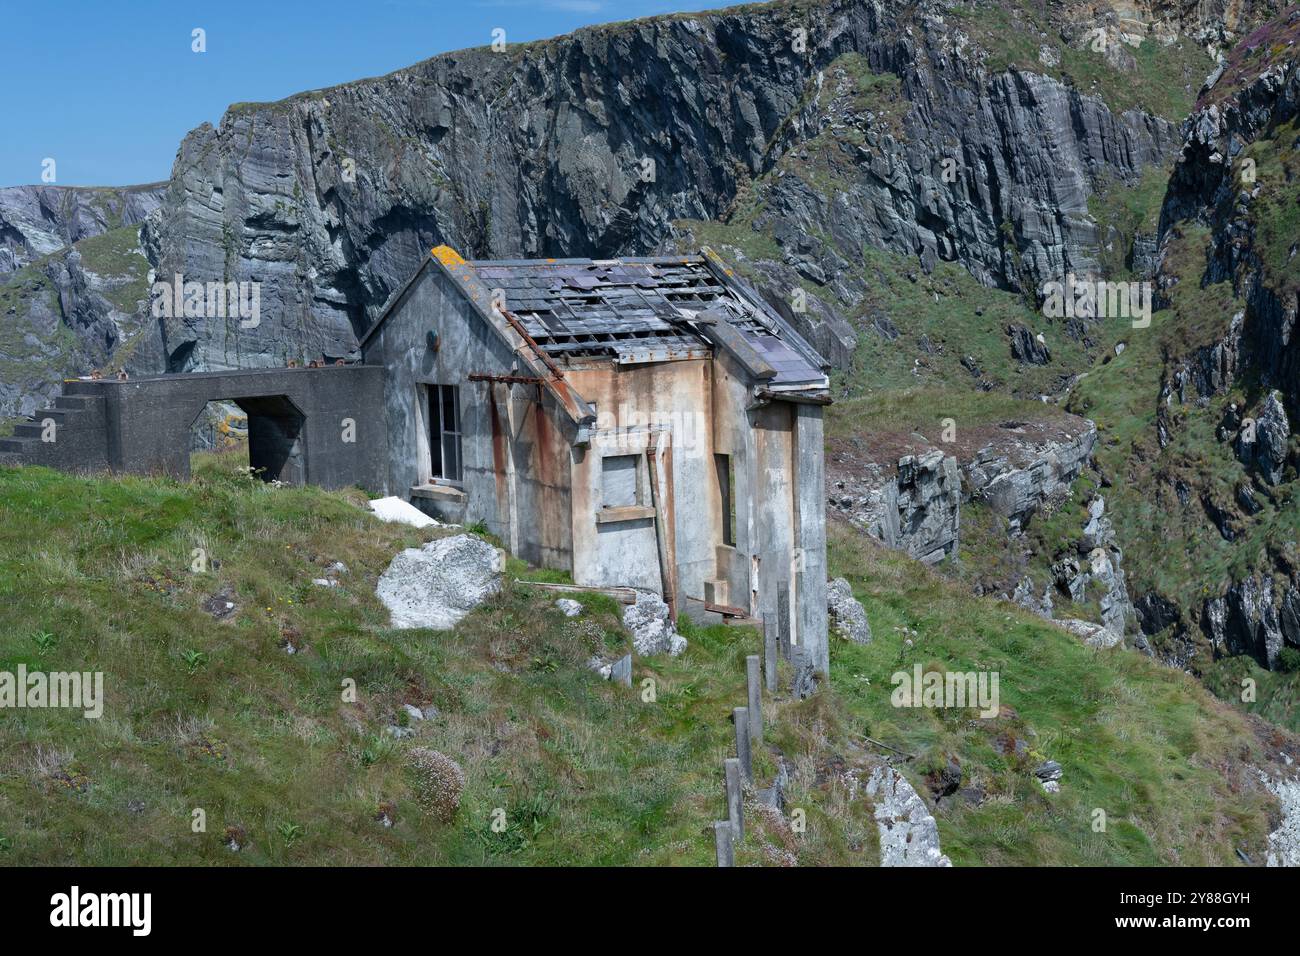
(507, 379)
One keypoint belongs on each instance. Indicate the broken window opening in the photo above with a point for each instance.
(444, 433)
(727, 490)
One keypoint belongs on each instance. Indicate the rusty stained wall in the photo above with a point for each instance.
(512, 448)
(530, 467)
(518, 451)
(631, 402)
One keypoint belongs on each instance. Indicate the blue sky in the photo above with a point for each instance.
(107, 88)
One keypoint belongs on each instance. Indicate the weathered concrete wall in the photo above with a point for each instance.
(810, 533)
(732, 436)
(634, 404)
(777, 456)
(72, 436)
(308, 425)
(515, 442)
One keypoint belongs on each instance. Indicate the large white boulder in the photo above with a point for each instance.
(1094, 635)
(438, 584)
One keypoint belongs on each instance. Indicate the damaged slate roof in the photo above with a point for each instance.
(640, 309)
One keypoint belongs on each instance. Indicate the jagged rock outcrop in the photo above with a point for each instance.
(71, 311)
(1026, 347)
(1016, 481)
(1284, 842)
(38, 220)
(909, 835)
(1024, 595)
(1089, 570)
(917, 510)
(1093, 635)
(1248, 619)
(1267, 452)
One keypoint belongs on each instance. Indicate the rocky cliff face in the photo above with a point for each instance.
(917, 509)
(38, 220)
(1219, 475)
(913, 501)
(596, 143)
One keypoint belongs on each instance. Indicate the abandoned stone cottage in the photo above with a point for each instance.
(639, 422)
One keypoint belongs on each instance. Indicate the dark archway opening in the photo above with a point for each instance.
(269, 437)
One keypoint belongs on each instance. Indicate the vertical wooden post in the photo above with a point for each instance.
(744, 751)
(735, 799)
(659, 464)
(783, 616)
(722, 844)
(769, 651)
(755, 703)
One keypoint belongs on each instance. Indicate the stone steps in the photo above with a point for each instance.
(14, 446)
(72, 402)
(78, 436)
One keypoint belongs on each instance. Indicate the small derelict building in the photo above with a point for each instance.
(638, 422)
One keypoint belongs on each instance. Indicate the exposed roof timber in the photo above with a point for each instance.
(725, 336)
(798, 397)
(634, 310)
(511, 330)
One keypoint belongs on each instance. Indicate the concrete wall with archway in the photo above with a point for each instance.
(323, 426)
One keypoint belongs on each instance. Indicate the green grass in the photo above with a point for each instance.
(116, 257)
(1123, 211)
(97, 575)
(1143, 743)
(924, 409)
(216, 715)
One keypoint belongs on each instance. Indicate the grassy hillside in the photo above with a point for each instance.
(216, 714)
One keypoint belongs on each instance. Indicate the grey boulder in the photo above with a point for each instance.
(847, 615)
(436, 585)
(652, 631)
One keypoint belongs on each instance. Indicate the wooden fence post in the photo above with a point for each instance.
(755, 702)
(769, 651)
(735, 799)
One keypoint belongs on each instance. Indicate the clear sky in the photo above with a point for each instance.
(107, 88)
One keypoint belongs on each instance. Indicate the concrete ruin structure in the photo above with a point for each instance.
(638, 422)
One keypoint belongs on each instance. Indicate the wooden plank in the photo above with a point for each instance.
(622, 595)
(664, 542)
(726, 610)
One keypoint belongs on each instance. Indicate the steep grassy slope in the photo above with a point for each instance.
(1147, 745)
(216, 714)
